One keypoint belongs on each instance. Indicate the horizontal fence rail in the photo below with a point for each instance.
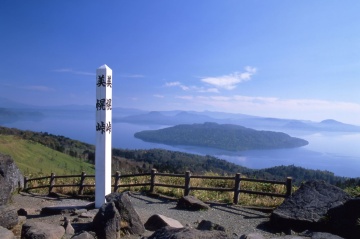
(152, 183)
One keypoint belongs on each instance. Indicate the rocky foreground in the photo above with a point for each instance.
(316, 210)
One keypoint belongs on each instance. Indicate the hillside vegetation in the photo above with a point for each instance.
(221, 136)
(33, 158)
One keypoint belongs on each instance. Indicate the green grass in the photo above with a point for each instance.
(34, 159)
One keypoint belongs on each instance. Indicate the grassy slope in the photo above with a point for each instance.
(35, 159)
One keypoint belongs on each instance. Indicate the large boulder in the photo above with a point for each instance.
(107, 222)
(158, 221)
(186, 232)
(10, 178)
(8, 216)
(6, 234)
(130, 220)
(344, 220)
(308, 206)
(40, 230)
(191, 203)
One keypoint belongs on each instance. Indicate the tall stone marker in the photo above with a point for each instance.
(103, 134)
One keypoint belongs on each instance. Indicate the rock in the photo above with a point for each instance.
(344, 220)
(57, 210)
(130, 220)
(307, 207)
(325, 235)
(209, 226)
(8, 216)
(107, 222)
(318, 235)
(22, 212)
(10, 178)
(80, 211)
(252, 236)
(158, 221)
(191, 203)
(40, 230)
(186, 232)
(69, 230)
(83, 235)
(289, 237)
(6, 234)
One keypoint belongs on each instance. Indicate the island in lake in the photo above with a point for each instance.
(221, 136)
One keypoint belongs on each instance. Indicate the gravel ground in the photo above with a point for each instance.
(237, 220)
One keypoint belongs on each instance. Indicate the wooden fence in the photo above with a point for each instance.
(152, 183)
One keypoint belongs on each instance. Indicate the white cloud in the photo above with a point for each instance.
(37, 88)
(191, 88)
(68, 70)
(159, 96)
(185, 97)
(171, 84)
(229, 82)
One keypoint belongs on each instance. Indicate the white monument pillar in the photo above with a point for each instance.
(103, 134)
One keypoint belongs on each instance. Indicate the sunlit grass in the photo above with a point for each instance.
(34, 159)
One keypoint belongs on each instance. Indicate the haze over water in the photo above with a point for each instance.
(335, 152)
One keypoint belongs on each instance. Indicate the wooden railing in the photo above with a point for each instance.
(152, 183)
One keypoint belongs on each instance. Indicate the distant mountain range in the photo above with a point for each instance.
(190, 117)
(12, 111)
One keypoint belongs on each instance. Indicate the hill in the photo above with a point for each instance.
(34, 158)
(224, 136)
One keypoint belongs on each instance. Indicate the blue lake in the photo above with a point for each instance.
(335, 152)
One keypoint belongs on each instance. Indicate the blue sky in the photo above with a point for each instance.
(287, 59)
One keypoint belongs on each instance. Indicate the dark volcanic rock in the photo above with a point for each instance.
(8, 216)
(307, 207)
(191, 203)
(40, 230)
(83, 235)
(344, 220)
(157, 221)
(208, 225)
(107, 222)
(10, 178)
(186, 232)
(56, 210)
(130, 220)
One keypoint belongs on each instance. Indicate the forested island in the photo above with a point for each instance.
(221, 136)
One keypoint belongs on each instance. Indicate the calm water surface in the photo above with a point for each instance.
(335, 152)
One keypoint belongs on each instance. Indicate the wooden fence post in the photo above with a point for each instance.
(81, 185)
(117, 180)
(187, 183)
(237, 188)
(25, 183)
(52, 182)
(152, 180)
(288, 186)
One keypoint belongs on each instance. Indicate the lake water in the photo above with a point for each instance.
(335, 152)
